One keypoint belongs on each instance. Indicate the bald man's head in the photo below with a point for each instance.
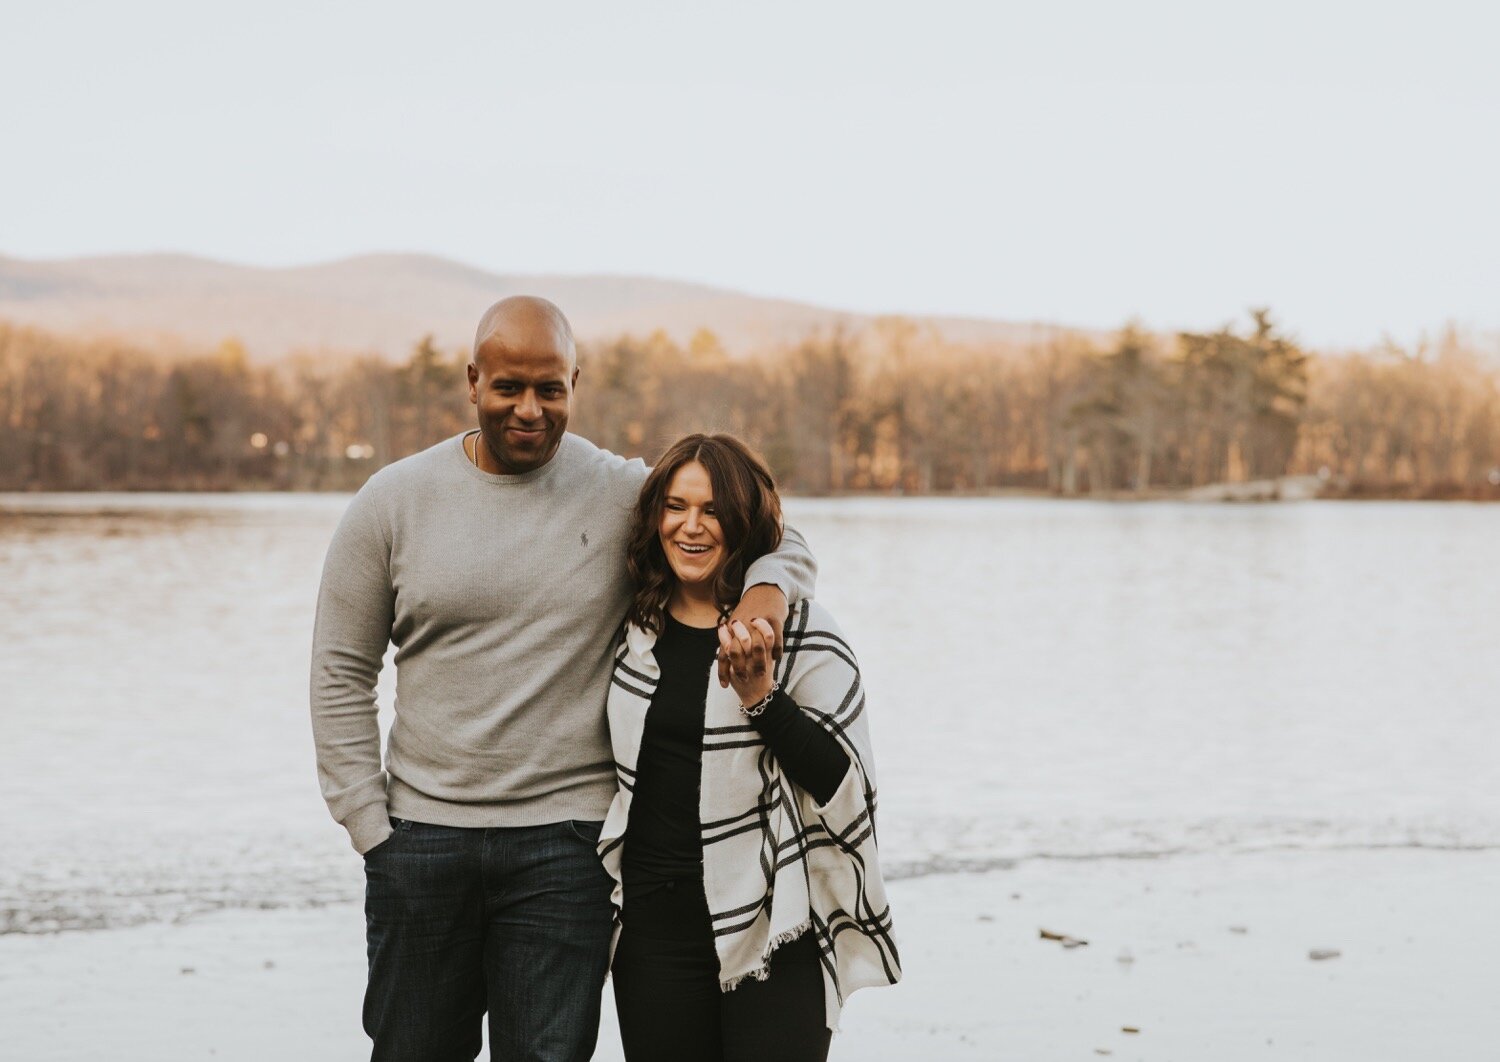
(521, 320)
(521, 379)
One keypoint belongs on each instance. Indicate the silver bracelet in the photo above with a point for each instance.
(752, 710)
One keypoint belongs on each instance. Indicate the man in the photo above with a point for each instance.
(495, 562)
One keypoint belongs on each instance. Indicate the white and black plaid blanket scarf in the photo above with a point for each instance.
(775, 864)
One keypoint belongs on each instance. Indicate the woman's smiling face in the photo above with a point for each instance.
(690, 534)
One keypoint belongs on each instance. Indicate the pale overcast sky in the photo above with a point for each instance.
(1076, 162)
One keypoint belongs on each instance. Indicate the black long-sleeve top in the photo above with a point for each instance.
(662, 840)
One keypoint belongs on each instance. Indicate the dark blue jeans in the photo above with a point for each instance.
(515, 921)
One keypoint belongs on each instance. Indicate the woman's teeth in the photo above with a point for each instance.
(693, 549)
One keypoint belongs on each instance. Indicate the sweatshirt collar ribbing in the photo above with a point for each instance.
(520, 479)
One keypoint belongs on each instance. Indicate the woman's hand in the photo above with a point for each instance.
(749, 651)
(763, 601)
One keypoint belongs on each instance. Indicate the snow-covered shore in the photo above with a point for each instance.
(1206, 955)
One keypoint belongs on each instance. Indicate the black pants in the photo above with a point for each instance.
(666, 978)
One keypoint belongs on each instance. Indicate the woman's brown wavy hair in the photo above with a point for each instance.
(747, 507)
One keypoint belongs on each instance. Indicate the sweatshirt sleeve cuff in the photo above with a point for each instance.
(368, 826)
(774, 717)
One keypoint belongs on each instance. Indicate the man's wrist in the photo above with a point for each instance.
(765, 585)
(768, 601)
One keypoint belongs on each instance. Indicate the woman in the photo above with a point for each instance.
(742, 840)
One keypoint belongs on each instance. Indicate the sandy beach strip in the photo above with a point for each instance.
(1207, 956)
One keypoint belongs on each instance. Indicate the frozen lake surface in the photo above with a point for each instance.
(1047, 679)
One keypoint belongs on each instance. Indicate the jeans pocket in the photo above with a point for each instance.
(398, 827)
(371, 853)
(586, 830)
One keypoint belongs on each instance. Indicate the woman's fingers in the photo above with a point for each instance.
(745, 655)
(725, 643)
(744, 649)
(733, 654)
(759, 654)
(730, 654)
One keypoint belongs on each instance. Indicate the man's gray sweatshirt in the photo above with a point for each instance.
(503, 596)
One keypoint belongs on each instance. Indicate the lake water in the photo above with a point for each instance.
(1047, 680)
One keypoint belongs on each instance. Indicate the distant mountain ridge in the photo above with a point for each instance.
(384, 303)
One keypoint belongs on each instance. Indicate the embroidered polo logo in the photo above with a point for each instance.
(584, 538)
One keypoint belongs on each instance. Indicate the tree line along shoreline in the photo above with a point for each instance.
(890, 409)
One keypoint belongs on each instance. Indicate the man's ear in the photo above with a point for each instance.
(473, 383)
(575, 378)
